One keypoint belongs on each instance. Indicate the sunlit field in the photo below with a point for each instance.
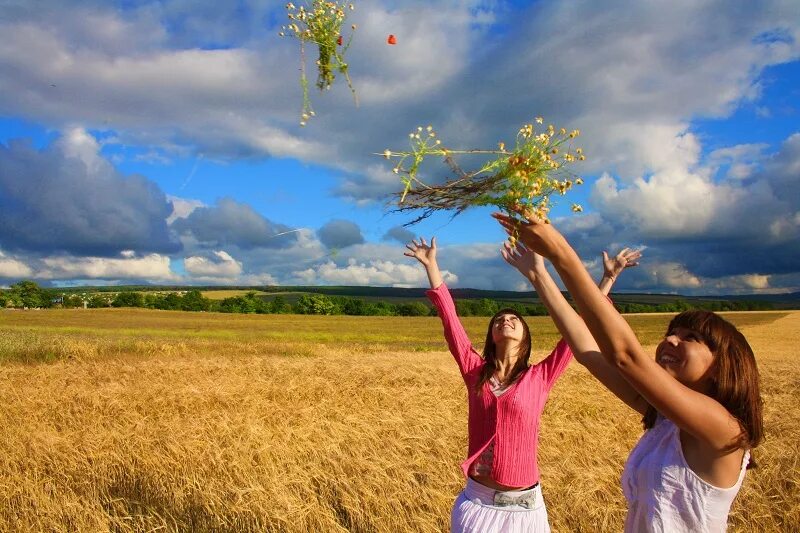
(137, 420)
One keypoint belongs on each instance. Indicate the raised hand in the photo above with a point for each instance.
(422, 251)
(528, 262)
(626, 258)
(536, 234)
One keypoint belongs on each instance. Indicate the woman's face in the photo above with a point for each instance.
(507, 327)
(685, 356)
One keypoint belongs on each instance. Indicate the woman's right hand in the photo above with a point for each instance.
(528, 262)
(422, 252)
(537, 235)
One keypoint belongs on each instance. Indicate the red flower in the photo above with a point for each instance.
(391, 40)
(339, 41)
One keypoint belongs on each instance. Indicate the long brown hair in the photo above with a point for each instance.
(734, 374)
(490, 352)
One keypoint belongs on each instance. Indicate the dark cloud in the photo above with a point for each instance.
(66, 198)
(399, 234)
(340, 233)
(230, 223)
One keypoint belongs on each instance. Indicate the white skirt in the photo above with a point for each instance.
(480, 509)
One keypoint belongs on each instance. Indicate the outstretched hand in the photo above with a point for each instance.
(422, 252)
(626, 258)
(528, 262)
(537, 235)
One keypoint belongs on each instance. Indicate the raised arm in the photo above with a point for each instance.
(454, 333)
(571, 325)
(696, 413)
(426, 254)
(614, 266)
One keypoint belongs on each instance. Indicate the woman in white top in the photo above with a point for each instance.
(699, 397)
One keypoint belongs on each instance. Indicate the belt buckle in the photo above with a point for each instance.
(504, 500)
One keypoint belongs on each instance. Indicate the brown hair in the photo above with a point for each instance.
(734, 374)
(490, 352)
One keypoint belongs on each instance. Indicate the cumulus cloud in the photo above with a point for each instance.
(182, 207)
(11, 268)
(340, 234)
(399, 234)
(69, 198)
(222, 265)
(138, 68)
(375, 272)
(149, 267)
(231, 223)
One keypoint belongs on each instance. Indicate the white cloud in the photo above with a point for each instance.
(13, 268)
(148, 267)
(224, 266)
(376, 272)
(674, 276)
(182, 207)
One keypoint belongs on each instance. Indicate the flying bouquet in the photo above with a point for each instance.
(320, 24)
(524, 177)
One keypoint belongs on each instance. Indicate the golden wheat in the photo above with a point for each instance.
(144, 421)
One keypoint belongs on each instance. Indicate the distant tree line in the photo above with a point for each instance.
(28, 294)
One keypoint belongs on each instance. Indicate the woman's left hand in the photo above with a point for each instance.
(626, 258)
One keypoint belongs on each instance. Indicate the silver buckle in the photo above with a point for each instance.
(527, 501)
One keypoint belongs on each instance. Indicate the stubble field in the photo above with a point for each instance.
(134, 420)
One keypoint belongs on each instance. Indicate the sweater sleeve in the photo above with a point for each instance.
(457, 340)
(556, 363)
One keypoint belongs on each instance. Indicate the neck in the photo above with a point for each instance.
(507, 355)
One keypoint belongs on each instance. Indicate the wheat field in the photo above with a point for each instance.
(134, 420)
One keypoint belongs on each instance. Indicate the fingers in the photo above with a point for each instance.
(433, 242)
(605, 256)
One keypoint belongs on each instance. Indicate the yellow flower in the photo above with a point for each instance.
(539, 120)
(502, 146)
(576, 208)
(387, 154)
(579, 181)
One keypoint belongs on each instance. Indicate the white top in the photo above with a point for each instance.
(665, 495)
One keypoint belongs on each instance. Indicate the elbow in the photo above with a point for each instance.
(621, 359)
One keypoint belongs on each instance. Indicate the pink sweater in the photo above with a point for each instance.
(511, 420)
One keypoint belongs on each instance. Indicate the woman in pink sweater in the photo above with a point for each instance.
(506, 397)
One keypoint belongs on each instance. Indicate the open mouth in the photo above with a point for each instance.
(665, 360)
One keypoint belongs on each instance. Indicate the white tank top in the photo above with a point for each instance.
(665, 495)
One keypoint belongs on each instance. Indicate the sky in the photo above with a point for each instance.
(160, 142)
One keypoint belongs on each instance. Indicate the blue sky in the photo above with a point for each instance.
(159, 142)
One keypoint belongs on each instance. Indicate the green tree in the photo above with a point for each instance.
(315, 304)
(195, 301)
(279, 305)
(29, 294)
(128, 299)
(413, 309)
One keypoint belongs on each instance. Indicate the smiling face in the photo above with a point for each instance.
(685, 355)
(507, 327)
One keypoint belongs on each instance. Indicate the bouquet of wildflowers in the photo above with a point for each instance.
(320, 24)
(523, 177)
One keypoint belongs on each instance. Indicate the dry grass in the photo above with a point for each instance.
(143, 421)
